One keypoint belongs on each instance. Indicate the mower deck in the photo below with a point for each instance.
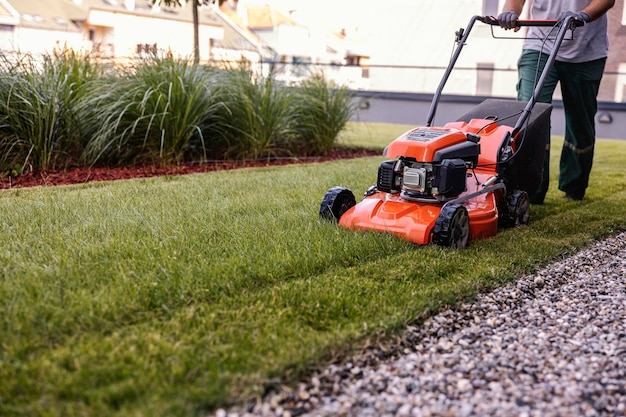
(415, 221)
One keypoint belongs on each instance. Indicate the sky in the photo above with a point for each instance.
(396, 32)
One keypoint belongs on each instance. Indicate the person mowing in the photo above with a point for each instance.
(579, 67)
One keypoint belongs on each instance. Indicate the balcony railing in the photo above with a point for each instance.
(484, 81)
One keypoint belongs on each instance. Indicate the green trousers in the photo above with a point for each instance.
(580, 83)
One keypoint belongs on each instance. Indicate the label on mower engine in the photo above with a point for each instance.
(421, 144)
(426, 135)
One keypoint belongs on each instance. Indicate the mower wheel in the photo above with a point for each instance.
(517, 209)
(336, 202)
(452, 227)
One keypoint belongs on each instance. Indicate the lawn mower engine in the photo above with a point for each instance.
(431, 164)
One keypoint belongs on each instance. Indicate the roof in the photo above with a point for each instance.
(236, 34)
(54, 15)
(266, 17)
(351, 45)
(146, 8)
(66, 14)
(8, 15)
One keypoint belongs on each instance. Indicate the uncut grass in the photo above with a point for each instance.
(177, 295)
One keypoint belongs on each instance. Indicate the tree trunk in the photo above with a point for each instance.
(196, 40)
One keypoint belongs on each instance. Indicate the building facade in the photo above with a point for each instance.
(400, 46)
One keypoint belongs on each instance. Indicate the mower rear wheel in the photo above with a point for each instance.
(452, 227)
(517, 209)
(336, 202)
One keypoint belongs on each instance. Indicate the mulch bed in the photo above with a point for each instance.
(81, 175)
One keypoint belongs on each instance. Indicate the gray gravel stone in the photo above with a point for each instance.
(551, 344)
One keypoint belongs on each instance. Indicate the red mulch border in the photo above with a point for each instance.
(81, 175)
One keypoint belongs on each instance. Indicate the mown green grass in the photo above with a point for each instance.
(177, 295)
(370, 135)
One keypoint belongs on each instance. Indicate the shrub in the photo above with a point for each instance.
(155, 112)
(38, 98)
(64, 109)
(257, 116)
(323, 109)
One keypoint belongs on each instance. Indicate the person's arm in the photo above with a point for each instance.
(595, 8)
(517, 6)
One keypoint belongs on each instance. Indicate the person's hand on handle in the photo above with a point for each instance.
(581, 16)
(508, 20)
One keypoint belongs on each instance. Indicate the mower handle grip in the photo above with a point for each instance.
(490, 20)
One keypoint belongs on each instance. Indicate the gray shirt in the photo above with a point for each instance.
(590, 42)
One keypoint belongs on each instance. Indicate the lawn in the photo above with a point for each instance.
(176, 295)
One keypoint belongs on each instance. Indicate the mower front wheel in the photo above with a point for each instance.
(452, 227)
(336, 202)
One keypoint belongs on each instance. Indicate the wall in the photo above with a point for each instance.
(410, 108)
(167, 34)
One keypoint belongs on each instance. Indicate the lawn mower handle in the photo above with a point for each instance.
(490, 20)
(565, 24)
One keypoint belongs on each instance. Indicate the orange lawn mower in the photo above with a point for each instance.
(462, 181)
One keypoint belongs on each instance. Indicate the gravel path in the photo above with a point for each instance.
(551, 344)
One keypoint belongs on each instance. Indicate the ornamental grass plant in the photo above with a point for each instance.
(258, 115)
(62, 109)
(38, 96)
(323, 111)
(154, 111)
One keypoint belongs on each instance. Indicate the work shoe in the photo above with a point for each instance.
(574, 197)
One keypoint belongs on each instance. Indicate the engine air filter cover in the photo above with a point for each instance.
(451, 179)
(389, 176)
(422, 143)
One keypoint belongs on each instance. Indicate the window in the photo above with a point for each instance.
(146, 49)
(33, 18)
